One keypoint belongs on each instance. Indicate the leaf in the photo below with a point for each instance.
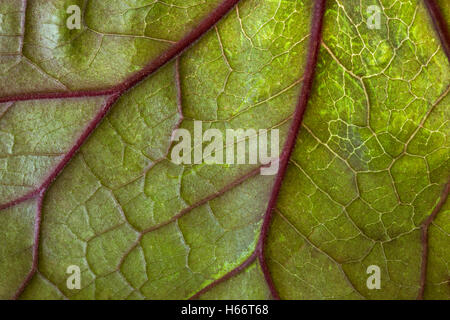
(370, 163)
(117, 39)
(86, 128)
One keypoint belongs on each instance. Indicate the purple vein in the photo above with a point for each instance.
(35, 247)
(117, 91)
(69, 155)
(191, 207)
(441, 28)
(227, 276)
(203, 201)
(311, 62)
(207, 23)
(440, 25)
(425, 242)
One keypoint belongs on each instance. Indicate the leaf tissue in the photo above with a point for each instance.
(96, 98)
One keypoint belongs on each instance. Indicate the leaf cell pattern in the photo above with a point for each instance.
(86, 124)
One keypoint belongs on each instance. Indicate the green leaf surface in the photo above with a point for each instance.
(370, 163)
(115, 40)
